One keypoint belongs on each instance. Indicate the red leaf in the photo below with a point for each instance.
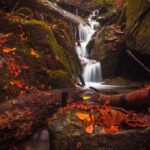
(89, 129)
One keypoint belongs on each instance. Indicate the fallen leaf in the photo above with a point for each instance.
(19, 84)
(83, 116)
(8, 50)
(42, 86)
(47, 94)
(57, 58)
(54, 117)
(25, 67)
(89, 129)
(112, 129)
(2, 41)
(86, 97)
(34, 53)
(1, 64)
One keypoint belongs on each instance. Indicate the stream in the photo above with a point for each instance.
(91, 68)
(92, 75)
(92, 72)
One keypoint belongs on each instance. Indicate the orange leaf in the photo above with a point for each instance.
(83, 116)
(54, 117)
(34, 53)
(89, 129)
(47, 94)
(19, 84)
(7, 50)
(2, 41)
(42, 86)
(112, 129)
(25, 67)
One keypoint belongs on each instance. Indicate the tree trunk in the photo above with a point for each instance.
(20, 117)
(138, 99)
(44, 6)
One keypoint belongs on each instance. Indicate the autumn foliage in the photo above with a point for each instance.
(109, 118)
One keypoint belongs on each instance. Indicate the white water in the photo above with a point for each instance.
(92, 73)
(91, 68)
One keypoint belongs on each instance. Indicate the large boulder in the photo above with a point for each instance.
(34, 55)
(109, 48)
(138, 23)
(81, 126)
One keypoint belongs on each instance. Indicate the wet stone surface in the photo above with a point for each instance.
(101, 128)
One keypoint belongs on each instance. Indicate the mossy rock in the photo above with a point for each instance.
(108, 51)
(59, 79)
(100, 46)
(50, 18)
(139, 38)
(50, 64)
(68, 130)
(63, 30)
(43, 58)
(105, 2)
(42, 37)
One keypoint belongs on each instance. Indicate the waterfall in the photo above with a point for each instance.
(92, 72)
(91, 68)
(84, 31)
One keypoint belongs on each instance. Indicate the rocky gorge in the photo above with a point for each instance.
(53, 52)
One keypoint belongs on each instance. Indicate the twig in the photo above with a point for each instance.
(14, 7)
(121, 109)
(138, 61)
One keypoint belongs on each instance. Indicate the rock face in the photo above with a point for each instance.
(37, 51)
(110, 46)
(109, 49)
(138, 23)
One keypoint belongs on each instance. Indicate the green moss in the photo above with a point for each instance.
(50, 18)
(101, 46)
(134, 9)
(24, 11)
(108, 14)
(55, 56)
(107, 2)
(68, 35)
(40, 35)
(141, 35)
(59, 79)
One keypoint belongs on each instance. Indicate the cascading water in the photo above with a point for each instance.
(91, 68)
(92, 72)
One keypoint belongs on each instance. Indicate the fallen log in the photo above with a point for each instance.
(138, 99)
(20, 117)
(45, 6)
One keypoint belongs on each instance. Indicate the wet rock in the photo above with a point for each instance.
(36, 56)
(107, 18)
(68, 132)
(138, 26)
(109, 48)
(90, 45)
(103, 9)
